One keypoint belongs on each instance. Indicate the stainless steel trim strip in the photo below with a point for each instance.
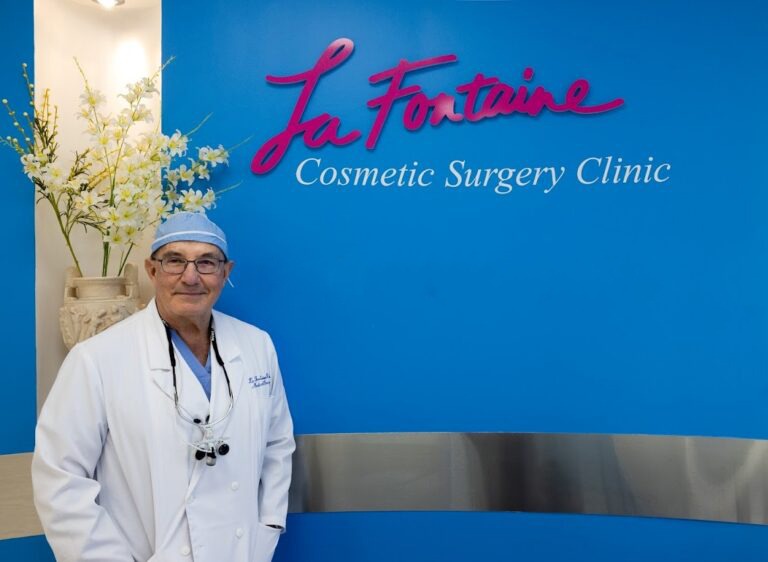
(703, 478)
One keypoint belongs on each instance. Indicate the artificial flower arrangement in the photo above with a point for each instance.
(121, 182)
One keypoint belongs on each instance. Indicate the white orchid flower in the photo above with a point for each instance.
(31, 165)
(131, 233)
(163, 160)
(141, 198)
(209, 199)
(142, 113)
(92, 98)
(149, 86)
(130, 97)
(160, 141)
(187, 174)
(117, 133)
(115, 237)
(110, 217)
(202, 171)
(177, 144)
(86, 201)
(125, 192)
(192, 200)
(126, 214)
(123, 119)
(53, 177)
(221, 156)
(172, 177)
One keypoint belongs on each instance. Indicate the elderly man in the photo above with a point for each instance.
(168, 436)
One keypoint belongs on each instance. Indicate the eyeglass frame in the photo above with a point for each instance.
(218, 261)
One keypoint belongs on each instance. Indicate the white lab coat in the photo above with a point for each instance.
(114, 477)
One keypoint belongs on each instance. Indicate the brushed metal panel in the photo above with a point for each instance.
(704, 478)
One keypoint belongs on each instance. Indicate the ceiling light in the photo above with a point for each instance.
(109, 4)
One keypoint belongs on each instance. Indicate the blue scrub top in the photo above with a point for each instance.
(202, 372)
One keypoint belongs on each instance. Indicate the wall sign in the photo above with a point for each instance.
(484, 97)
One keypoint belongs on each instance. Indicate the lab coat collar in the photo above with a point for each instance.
(157, 348)
(226, 338)
(157, 343)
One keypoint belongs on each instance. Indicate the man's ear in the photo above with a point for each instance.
(228, 268)
(150, 266)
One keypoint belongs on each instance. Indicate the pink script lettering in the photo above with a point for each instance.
(485, 98)
(317, 131)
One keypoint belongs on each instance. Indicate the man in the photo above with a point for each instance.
(168, 436)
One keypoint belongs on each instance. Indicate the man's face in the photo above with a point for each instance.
(190, 294)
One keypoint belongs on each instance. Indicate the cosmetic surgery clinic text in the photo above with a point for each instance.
(594, 171)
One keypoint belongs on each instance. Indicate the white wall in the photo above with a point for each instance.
(114, 47)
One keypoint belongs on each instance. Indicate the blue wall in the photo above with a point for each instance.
(603, 308)
(631, 298)
(28, 549)
(17, 331)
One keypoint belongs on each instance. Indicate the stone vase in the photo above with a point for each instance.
(93, 304)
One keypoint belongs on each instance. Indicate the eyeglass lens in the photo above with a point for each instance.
(176, 265)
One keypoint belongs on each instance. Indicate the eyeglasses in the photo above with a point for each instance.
(176, 265)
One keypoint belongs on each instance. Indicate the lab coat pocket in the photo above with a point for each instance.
(265, 543)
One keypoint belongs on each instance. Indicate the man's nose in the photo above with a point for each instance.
(190, 274)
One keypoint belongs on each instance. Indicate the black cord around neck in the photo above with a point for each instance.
(172, 357)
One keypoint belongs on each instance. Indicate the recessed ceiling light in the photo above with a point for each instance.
(109, 4)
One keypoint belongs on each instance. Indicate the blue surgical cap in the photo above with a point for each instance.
(189, 227)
